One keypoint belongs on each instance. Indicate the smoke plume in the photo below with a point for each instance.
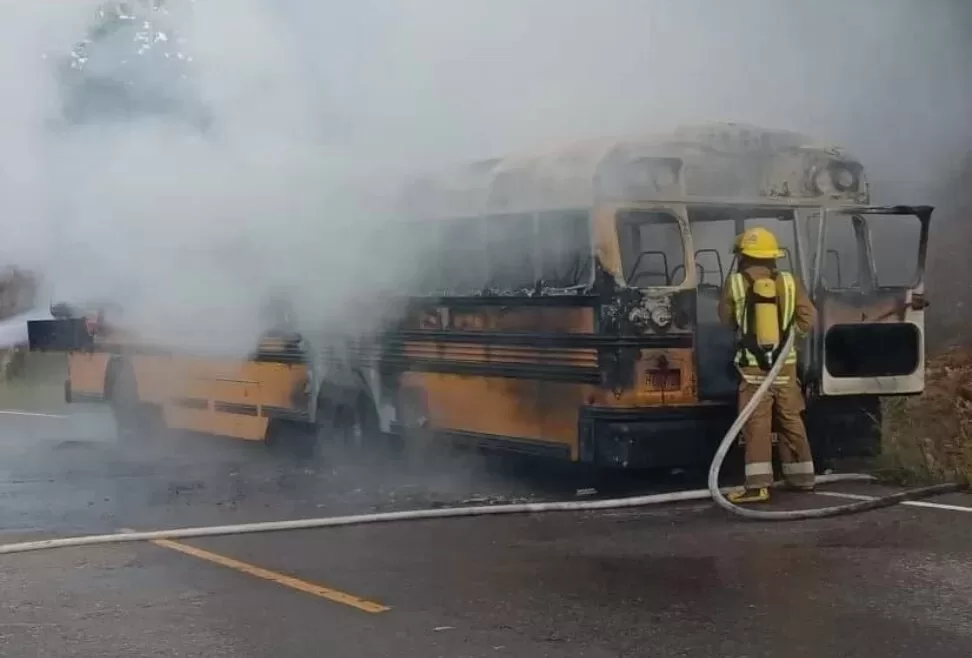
(188, 159)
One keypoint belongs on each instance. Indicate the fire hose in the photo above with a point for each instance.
(802, 514)
(713, 491)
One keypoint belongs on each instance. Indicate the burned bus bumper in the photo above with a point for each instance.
(662, 437)
(687, 437)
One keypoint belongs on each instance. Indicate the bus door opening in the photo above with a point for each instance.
(870, 299)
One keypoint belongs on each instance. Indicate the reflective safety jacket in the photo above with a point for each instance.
(747, 353)
(797, 312)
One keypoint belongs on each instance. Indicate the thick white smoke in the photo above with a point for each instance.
(237, 173)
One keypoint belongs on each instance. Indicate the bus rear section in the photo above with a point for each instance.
(147, 388)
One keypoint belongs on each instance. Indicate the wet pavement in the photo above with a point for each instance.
(676, 580)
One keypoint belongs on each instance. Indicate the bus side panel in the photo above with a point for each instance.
(207, 421)
(224, 397)
(523, 411)
(564, 320)
(152, 375)
(454, 353)
(87, 373)
(268, 385)
(464, 314)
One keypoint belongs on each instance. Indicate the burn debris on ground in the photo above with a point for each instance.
(929, 437)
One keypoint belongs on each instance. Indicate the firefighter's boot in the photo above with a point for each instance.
(760, 495)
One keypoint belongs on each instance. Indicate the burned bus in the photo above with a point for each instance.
(564, 304)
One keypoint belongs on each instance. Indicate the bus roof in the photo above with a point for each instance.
(725, 160)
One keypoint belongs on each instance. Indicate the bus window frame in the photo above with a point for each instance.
(740, 214)
(921, 213)
(491, 238)
(680, 214)
(591, 254)
(865, 277)
(872, 264)
(438, 226)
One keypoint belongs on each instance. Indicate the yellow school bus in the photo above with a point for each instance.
(563, 304)
(149, 387)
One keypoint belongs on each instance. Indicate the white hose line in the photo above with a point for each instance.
(386, 517)
(794, 515)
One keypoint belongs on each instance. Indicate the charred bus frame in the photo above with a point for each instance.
(594, 369)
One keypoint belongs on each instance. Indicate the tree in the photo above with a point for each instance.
(131, 64)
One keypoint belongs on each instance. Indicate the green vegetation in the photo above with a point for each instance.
(928, 438)
(40, 388)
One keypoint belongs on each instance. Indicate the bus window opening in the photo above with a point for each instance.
(510, 251)
(895, 245)
(843, 258)
(713, 234)
(652, 249)
(565, 249)
(462, 260)
(714, 231)
(784, 228)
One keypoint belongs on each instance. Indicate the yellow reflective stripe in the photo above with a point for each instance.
(758, 379)
(737, 287)
(789, 297)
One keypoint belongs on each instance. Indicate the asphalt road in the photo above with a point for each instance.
(682, 580)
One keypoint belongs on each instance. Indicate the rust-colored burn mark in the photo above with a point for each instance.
(662, 377)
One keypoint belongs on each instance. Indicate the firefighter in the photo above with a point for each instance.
(762, 304)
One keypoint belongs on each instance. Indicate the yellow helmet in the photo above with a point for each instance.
(758, 242)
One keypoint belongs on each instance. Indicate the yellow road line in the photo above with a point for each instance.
(273, 576)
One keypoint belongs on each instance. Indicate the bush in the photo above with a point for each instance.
(929, 437)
